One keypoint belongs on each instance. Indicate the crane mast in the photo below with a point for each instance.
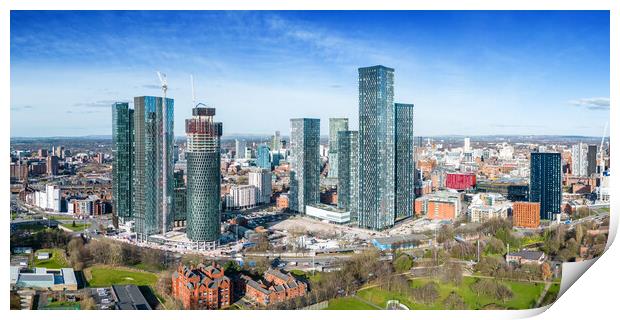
(164, 88)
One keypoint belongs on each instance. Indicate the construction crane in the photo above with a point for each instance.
(164, 123)
(602, 159)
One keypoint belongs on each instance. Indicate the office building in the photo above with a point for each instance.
(261, 179)
(405, 166)
(263, 157)
(203, 177)
(335, 125)
(546, 182)
(179, 198)
(348, 172)
(376, 148)
(122, 162)
(305, 164)
(580, 160)
(149, 162)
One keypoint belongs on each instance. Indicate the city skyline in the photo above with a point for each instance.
(545, 65)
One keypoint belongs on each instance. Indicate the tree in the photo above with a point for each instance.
(494, 246)
(546, 271)
(453, 273)
(454, 302)
(445, 233)
(403, 263)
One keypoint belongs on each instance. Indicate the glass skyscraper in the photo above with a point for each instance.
(262, 157)
(179, 198)
(122, 164)
(305, 163)
(348, 172)
(546, 182)
(335, 125)
(376, 147)
(148, 165)
(203, 178)
(405, 165)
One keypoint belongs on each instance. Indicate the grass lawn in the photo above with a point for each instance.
(79, 226)
(57, 259)
(348, 303)
(103, 276)
(524, 295)
(552, 294)
(63, 305)
(307, 275)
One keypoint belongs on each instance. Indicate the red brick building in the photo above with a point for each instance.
(204, 287)
(276, 287)
(282, 202)
(526, 214)
(460, 181)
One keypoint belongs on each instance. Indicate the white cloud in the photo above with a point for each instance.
(599, 103)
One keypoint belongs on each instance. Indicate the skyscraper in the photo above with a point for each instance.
(149, 159)
(305, 163)
(122, 163)
(335, 125)
(203, 178)
(546, 182)
(405, 166)
(580, 160)
(262, 157)
(276, 143)
(179, 198)
(240, 146)
(592, 153)
(376, 147)
(348, 172)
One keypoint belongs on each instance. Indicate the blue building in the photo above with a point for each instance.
(262, 157)
(376, 148)
(546, 182)
(405, 165)
(305, 163)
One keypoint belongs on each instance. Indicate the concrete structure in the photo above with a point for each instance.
(376, 148)
(148, 209)
(335, 125)
(405, 165)
(240, 146)
(122, 162)
(546, 182)
(203, 287)
(579, 156)
(203, 177)
(328, 213)
(526, 214)
(592, 154)
(241, 197)
(261, 179)
(305, 163)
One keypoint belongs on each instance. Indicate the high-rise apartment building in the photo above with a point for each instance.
(149, 159)
(580, 160)
(203, 178)
(335, 125)
(592, 153)
(546, 182)
(376, 148)
(305, 163)
(52, 165)
(179, 198)
(405, 166)
(348, 172)
(122, 162)
(261, 179)
(240, 146)
(263, 157)
(526, 214)
(276, 142)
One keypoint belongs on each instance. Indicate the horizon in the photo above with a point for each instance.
(474, 73)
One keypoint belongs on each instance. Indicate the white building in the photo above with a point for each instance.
(46, 199)
(506, 152)
(486, 206)
(580, 160)
(328, 213)
(240, 146)
(241, 197)
(261, 179)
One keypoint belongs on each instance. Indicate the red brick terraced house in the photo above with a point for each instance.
(202, 287)
(275, 288)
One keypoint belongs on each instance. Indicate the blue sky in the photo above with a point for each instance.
(468, 73)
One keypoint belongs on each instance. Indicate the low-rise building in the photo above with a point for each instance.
(43, 278)
(328, 213)
(399, 242)
(526, 257)
(276, 287)
(202, 287)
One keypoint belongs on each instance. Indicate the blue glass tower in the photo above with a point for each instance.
(262, 157)
(546, 182)
(376, 148)
(305, 163)
(405, 165)
(122, 164)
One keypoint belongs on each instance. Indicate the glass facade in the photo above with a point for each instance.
(203, 177)
(180, 198)
(305, 163)
(122, 165)
(335, 125)
(405, 165)
(149, 159)
(546, 182)
(348, 175)
(262, 157)
(376, 147)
